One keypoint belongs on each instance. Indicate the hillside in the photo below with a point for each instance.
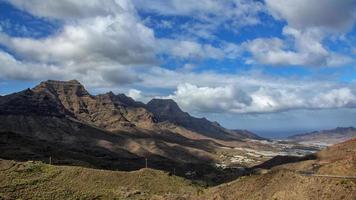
(168, 110)
(298, 180)
(326, 137)
(61, 119)
(35, 180)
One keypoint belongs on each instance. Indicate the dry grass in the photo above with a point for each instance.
(35, 180)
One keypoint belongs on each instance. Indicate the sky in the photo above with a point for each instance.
(276, 67)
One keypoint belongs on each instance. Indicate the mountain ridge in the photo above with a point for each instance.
(111, 111)
(102, 131)
(328, 137)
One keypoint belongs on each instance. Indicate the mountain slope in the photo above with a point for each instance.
(35, 180)
(107, 111)
(326, 137)
(294, 181)
(168, 110)
(62, 120)
(299, 180)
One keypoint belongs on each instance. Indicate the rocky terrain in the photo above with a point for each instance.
(325, 137)
(58, 130)
(36, 180)
(328, 174)
(62, 120)
(168, 110)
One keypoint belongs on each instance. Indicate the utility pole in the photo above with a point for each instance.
(146, 162)
(50, 160)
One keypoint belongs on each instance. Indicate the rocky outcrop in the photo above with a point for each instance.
(28, 102)
(168, 110)
(108, 111)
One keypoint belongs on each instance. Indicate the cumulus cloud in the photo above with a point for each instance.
(205, 18)
(307, 50)
(308, 24)
(262, 99)
(99, 42)
(135, 94)
(211, 99)
(240, 12)
(108, 75)
(71, 9)
(253, 94)
(332, 15)
(194, 50)
(118, 36)
(188, 49)
(13, 69)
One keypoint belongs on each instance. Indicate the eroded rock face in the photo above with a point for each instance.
(28, 102)
(108, 111)
(168, 110)
(61, 98)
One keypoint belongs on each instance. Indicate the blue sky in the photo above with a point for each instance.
(262, 65)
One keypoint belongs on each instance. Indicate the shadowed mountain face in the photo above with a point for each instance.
(327, 137)
(63, 120)
(28, 102)
(168, 110)
(108, 111)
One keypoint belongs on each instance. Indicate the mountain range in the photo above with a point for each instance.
(61, 123)
(325, 137)
(62, 120)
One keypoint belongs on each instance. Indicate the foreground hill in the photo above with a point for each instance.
(326, 137)
(318, 178)
(35, 180)
(327, 175)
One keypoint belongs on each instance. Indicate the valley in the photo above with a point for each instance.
(110, 146)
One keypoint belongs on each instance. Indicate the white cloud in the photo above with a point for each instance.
(97, 38)
(332, 15)
(135, 94)
(206, 16)
(193, 50)
(240, 12)
(100, 43)
(209, 92)
(263, 99)
(108, 75)
(186, 49)
(341, 97)
(306, 49)
(72, 9)
(210, 99)
(308, 24)
(13, 69)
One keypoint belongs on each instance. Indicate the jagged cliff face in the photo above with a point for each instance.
(108, 111)
(169, 111)
(28, 102)
(62, 119)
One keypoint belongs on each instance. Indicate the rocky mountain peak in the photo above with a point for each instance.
(165, 107)
(29, 102)
(72, 87)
